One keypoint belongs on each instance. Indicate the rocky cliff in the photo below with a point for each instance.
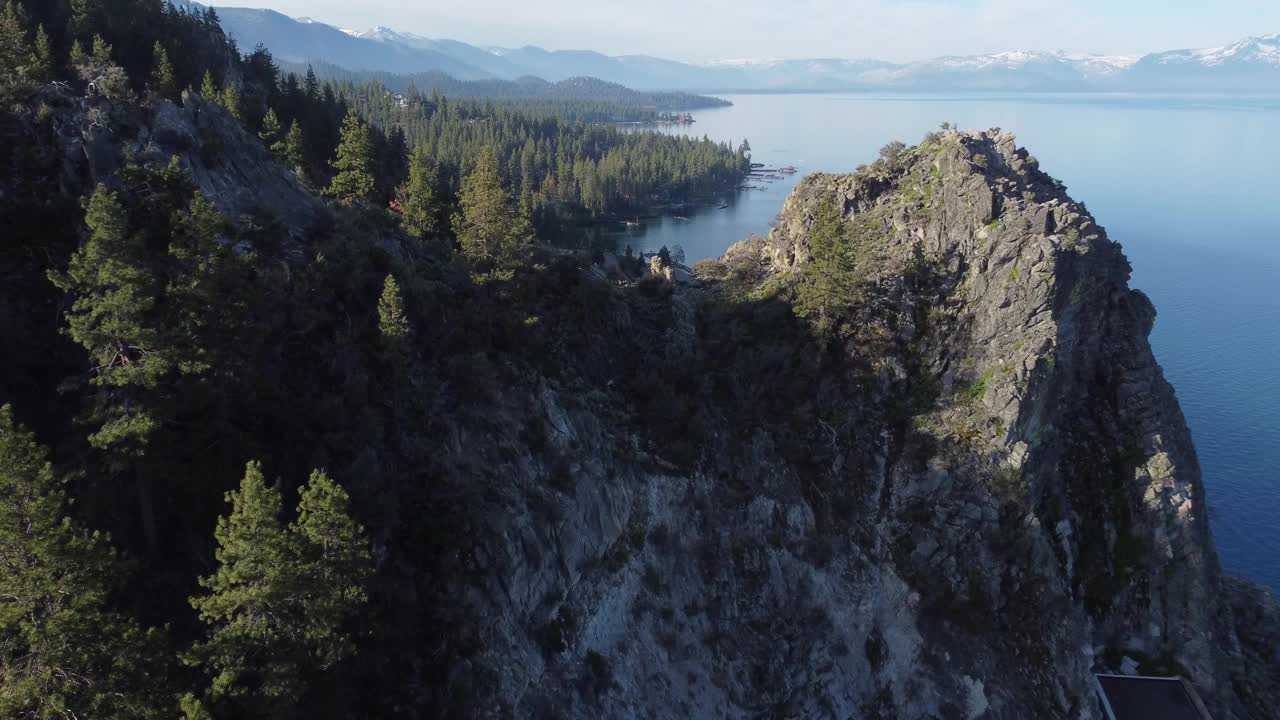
(975, 492)
(78, 140)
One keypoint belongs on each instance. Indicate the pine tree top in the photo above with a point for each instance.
(391, 315)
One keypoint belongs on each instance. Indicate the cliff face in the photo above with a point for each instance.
(80, 140)
(986, 490)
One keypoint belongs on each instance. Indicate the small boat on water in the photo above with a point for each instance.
(788, 170)
(722, 207)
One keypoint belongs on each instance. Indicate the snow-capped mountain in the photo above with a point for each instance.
(1251, 65)
(1014, 70)
(1019, 59)
(1264, 50)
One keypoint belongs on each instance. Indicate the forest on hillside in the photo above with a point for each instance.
(559, 165)
(227, 485)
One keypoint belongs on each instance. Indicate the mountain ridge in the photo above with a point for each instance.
(1249, 65)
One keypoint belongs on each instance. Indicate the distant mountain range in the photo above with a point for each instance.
(1251, 65)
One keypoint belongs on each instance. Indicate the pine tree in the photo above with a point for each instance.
(164, 77)
(15, 51)
(354, 181)
(102, 52)
(336, 566)
(278, 601)
(139, 348)
(490, 231)
(311, 85)
(253, 649)
(79, 58)
(392, 321)
(231, 101)
(208, 89)
(114, 294)
(208, 284)
(81, 22)
(393, 324)
(63, 653)
(270, 134)
(295, 147)
(41, 58)
(828, 281)
(420, 205)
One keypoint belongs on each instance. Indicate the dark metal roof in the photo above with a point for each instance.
(1149, 698)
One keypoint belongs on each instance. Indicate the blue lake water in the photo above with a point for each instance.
(1189, 186)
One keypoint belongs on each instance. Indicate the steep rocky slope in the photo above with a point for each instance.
(79, 140)
(978, 493)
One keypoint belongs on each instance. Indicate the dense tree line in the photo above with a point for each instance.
(139, 33)
(559, 169)
(556, 167)
(559, 166)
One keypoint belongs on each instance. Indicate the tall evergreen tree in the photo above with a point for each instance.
(393, 324)
(15, 50)
(63, 652)
(206, 293)
(230, 99)
(354, 181)
(253, 649)
(828, 281)
(335, 567)
(82, 20)
(41, 58)
(209, 89)
(114, 296)
(164, 77)
(419, 198)
(279, 599)
(295, 147)
(78, 57)
(102, 52)
(311, 86)
(491, 232)
(270, 134)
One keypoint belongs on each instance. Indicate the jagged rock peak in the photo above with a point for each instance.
(1003, 310)
(969, 177)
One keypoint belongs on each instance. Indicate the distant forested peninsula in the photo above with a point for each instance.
(578, 98)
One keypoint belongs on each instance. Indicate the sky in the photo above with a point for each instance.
(897, 30)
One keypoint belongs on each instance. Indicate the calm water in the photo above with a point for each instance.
(1190, 187)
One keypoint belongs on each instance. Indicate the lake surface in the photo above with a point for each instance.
(1189, 186)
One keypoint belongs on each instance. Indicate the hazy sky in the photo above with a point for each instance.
(698, 30)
